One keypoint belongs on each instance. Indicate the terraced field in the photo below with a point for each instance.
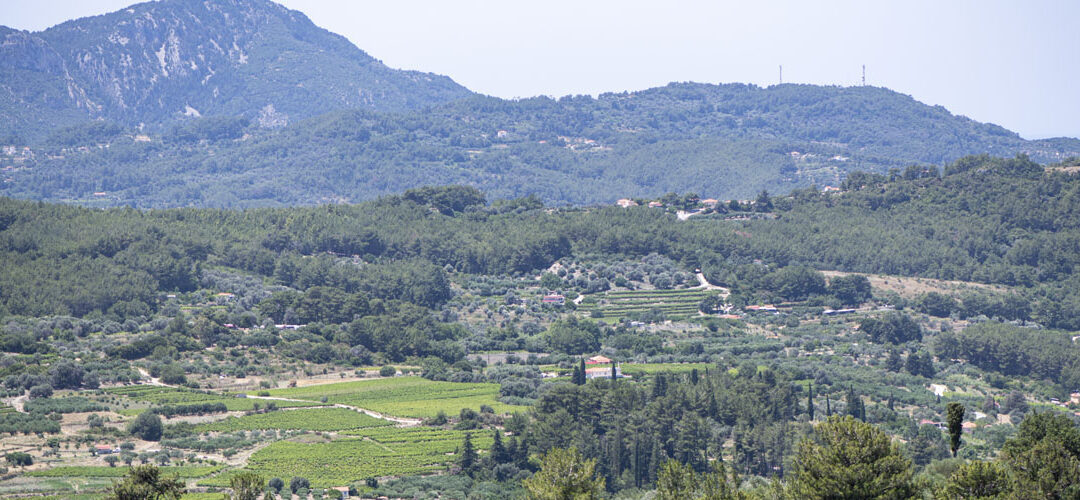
(317, 419)
(674, 304)
(377, 452)
(403, 396)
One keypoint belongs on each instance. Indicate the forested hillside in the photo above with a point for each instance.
(986, 220)
(244, 259)
(941, 339)
(720, 141)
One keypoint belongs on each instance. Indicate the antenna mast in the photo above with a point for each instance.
(781, 73)
(864, 75)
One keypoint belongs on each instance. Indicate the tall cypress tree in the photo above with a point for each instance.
(855, 406)
(810, 401)
(614, 370)
(659, 388)
(955, 419)
(655, 458)
(828, 407)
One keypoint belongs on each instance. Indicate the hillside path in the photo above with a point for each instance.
(704, 283)
(402, 421)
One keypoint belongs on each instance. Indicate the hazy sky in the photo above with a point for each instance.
(1014, 63)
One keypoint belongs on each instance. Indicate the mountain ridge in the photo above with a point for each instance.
(723, 141)
(236, 103)
(160, 61)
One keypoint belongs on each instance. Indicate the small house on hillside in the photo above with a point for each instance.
(626, 203)
(598, 360)
(834, 312)
(104, 449)
(554, 298)
(764, 308)
(604, 372)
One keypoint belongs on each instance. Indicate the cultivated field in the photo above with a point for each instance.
(377, 452)
(674, 304)
(154, 395)
(402, 396)
(318, 419)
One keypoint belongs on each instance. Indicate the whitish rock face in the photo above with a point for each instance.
(157, 61)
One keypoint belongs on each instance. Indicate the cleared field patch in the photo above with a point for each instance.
(317, 419)
(378, 452)
(403, 396)
(911, 287)
(672, 303)
(183, 471)
(155, 395)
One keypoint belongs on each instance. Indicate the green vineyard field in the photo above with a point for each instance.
(183, 471)
(403, 396)
(672, 303)
(318, 419)
(377, 452)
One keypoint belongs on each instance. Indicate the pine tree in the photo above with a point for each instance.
(894, 363)
(146, 481)
(498, 451)
(850, 459)
(468, 455)
(522, 457)
(512, 449)
(565, 474)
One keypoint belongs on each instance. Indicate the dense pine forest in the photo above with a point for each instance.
(987, 220)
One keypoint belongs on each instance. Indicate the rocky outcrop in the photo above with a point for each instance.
(158, 62)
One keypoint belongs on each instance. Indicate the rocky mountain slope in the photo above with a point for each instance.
(161, 61)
